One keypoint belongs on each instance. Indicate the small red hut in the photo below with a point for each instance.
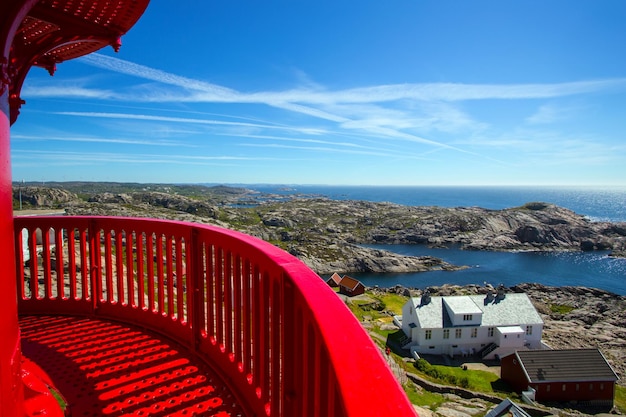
(351, 286)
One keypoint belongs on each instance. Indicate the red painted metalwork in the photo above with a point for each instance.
(11, 387)
(11, 391)
(54, 31)
(111, 369)
(285, 342)
(42, 33)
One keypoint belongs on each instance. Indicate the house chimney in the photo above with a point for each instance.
(425, 298)
(500, 295)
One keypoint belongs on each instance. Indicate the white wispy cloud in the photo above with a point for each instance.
(371, 94)
(328, 146)
(551, 113)
(404, 112)
(289, 139)
(60, 158)
(462, 92)
(129, 68)
(284, 100)
(330, 150)
(534, 147)
(68, 91)
(151, 142)
(150, 117)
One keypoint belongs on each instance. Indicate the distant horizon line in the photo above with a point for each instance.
(280, 184)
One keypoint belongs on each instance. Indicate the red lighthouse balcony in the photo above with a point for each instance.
(152, 317)
(121, 316)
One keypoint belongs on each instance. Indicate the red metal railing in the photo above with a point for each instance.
(285, 342)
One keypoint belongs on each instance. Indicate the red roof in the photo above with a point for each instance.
(349, 282)
(334, 280)
(565, 365)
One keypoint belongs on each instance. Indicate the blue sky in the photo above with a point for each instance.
(407, 92)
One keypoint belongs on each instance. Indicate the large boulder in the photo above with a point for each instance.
(42, 197)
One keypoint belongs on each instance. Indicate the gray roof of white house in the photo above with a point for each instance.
(462, 305)
(513, 309)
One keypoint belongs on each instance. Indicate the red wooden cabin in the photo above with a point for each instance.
(581, 375)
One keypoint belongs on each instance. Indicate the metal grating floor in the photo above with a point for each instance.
(109, 369)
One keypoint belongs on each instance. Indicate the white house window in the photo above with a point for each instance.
(446, 333)
(458, 333)
(529, 330)
(490, 332)
(428, 334)
(474, 332)
(467, 317)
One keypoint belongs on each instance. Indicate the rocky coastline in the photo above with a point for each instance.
(330, 235)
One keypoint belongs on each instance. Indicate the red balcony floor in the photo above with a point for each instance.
(110, 369)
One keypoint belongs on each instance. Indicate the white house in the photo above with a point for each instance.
(486, 325)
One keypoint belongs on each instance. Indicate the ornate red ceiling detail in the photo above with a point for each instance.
(55, 31)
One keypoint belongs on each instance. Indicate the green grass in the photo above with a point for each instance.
(475, 380)
(423, 398)
(377, 306)
(561, 308)
(357, 310)
(620, 398)
(393, 302)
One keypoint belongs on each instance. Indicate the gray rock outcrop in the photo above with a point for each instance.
(36, 197)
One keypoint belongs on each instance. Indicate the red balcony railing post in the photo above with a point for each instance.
(95, 267)
(289, 348)
(194, 290)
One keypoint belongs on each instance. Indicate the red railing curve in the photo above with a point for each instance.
(282, 339)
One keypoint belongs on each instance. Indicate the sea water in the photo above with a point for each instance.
(597, 203)
(591, 269)
(588, 269)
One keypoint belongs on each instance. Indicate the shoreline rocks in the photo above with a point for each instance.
(331, 235)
